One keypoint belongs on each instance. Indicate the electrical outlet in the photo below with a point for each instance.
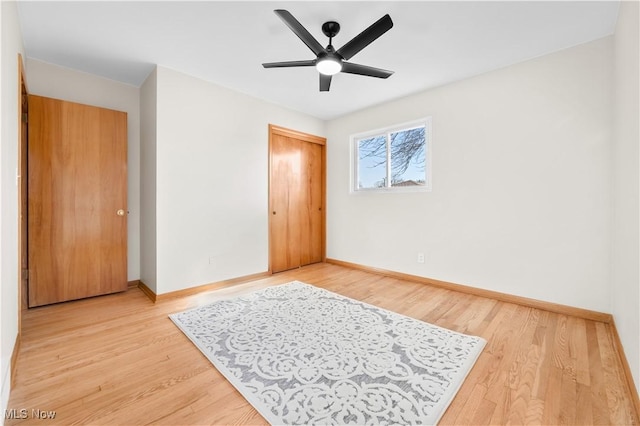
(212, 260)
(420, 257)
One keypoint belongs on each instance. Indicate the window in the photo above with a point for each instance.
(393, 159)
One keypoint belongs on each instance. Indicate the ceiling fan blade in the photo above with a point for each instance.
(350, 68)
(366, 37)
(325, 82)
(300, 31)
(286, 64)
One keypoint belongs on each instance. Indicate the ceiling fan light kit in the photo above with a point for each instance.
(329, 65)
(329, 61)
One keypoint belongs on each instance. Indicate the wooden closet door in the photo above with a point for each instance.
(77, 217)
(310, 206)
(285, 201)
(296, 199)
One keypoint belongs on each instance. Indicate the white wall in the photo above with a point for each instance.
(212, 180)
(148, 134)
(53, 81)
(11, 42)
(521, 183)
(626, 185)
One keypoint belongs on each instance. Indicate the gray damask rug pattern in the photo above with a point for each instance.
(303, 355)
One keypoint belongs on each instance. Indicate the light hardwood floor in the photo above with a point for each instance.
(118, 359)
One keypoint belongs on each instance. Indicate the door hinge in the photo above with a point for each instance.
(25, 117)
(25, 274)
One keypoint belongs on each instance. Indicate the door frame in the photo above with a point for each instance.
(23, 193)
(305, 137)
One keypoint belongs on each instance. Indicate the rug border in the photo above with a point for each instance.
(270, 417)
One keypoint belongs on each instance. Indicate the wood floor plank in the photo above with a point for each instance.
(545, 334)
(553, 395)
(500, 415)
(580, 350)
(535, 412)
(584, 415)
(505, 347)
(521, 385)
(570, 396)
(618, 405)
(471, 405)
(483, 414)
(118, 359)
(599, 407)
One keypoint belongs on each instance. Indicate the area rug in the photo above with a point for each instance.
(304, 355)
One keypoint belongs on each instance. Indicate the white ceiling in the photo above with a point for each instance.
(431, 43)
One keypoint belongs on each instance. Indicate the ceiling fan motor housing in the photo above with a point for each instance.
(330, 29)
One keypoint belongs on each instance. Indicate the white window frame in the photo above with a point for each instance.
(386, 131)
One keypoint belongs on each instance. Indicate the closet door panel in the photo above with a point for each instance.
(311, 214)
(285, 199)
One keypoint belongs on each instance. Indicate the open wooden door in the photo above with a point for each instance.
(77, 201)
(296, 199)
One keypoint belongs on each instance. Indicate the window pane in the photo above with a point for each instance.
(372, 162)
(408, 157)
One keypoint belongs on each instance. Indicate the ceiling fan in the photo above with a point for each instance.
(329, 61)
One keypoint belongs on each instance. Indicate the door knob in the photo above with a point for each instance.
(120, 212)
